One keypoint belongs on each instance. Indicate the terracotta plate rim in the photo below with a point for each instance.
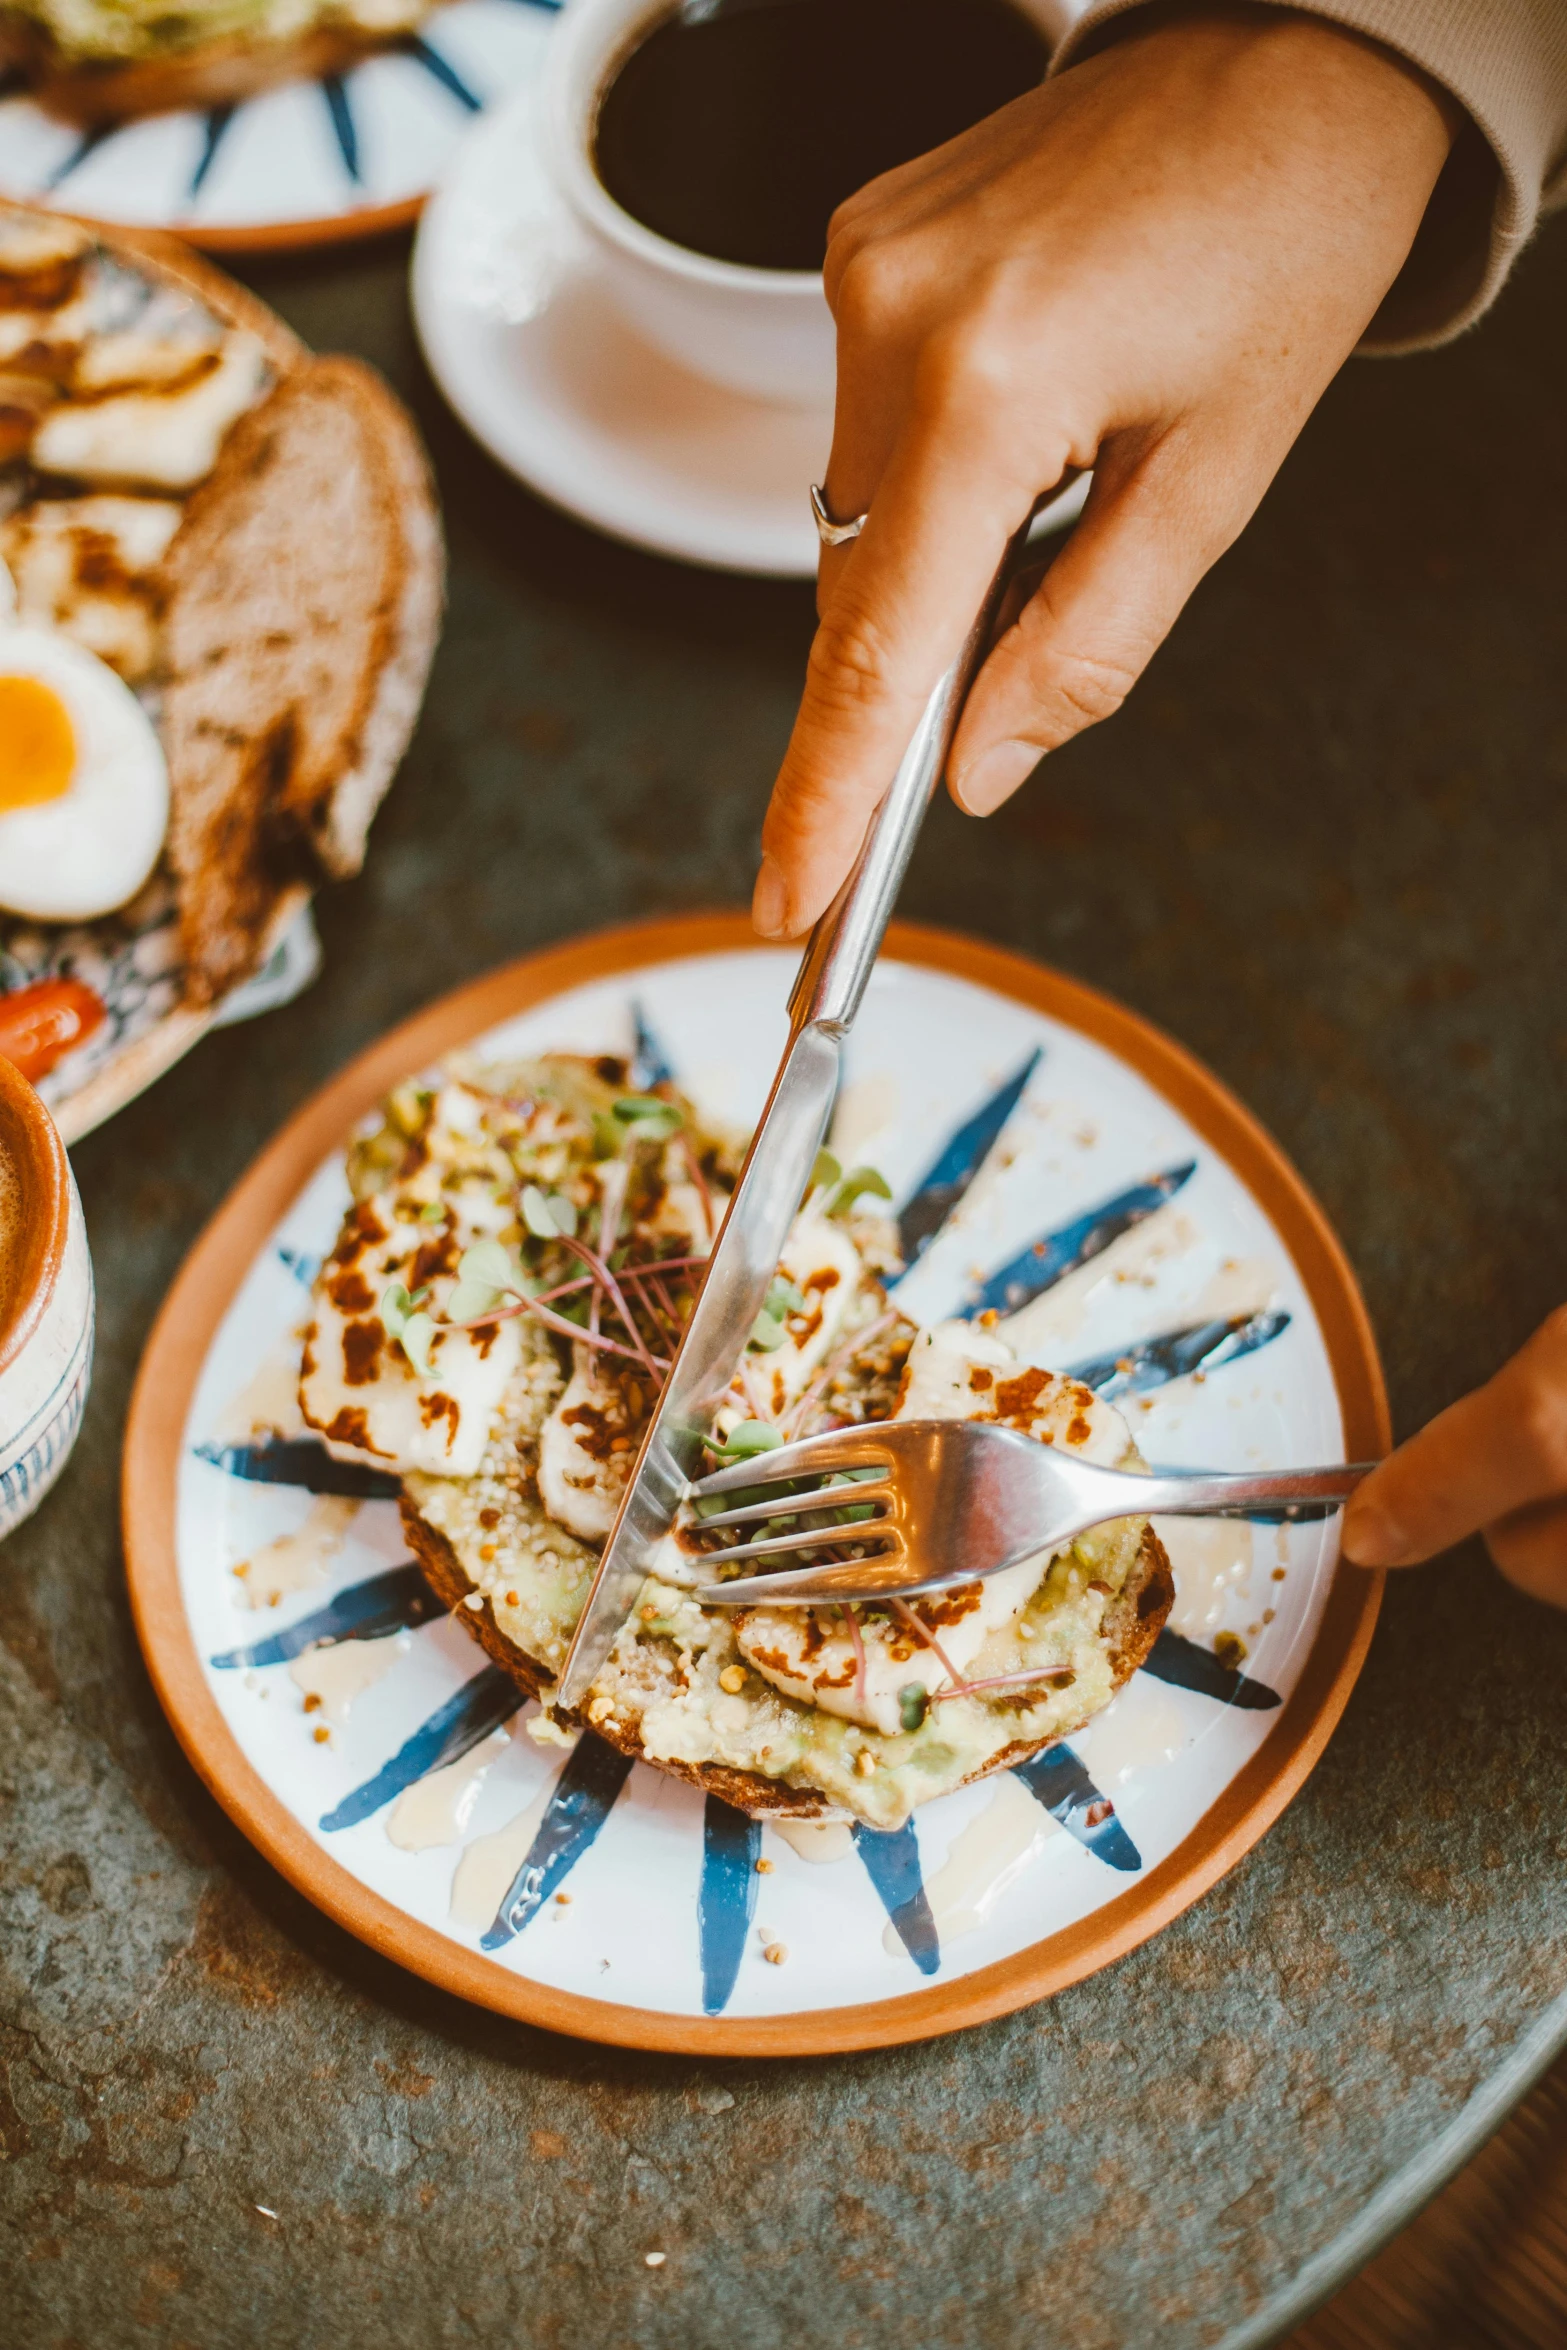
(269, 236)
(212, 1272)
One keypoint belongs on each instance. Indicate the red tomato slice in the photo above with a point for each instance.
(40, 1024)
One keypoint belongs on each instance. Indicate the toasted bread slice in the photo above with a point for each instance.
(1132, 1624)
(303, 599)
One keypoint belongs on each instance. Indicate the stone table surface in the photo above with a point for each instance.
(1326, 845)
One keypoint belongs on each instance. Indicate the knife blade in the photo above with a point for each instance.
(832, 979)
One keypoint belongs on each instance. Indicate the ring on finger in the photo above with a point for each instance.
(834, 534)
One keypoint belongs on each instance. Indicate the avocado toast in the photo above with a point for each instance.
(508, 1287)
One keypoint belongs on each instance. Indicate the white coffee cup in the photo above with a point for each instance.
(765, 332)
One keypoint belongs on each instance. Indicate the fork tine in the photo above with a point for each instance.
(808, 1538)
(789, 1505)
(890, 1574)
(811, 1456)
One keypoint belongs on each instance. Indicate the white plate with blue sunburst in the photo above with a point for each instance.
(1057, 1159)
(309, 162)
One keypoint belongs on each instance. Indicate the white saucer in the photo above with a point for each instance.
(525, 342)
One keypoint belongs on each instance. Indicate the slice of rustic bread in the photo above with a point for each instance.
(1132, 1624)
(303, 598)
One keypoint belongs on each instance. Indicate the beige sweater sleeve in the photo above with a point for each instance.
(1505, 61)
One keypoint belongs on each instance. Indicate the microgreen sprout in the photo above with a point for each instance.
(859, 1183)
(485, 1276)
(913, 1704)
(782, 1300)
(648, 1116)
(744, 1440)
(407, 1326)
(549, 1215)
(825, 1174)
(635, 1117)
(433, 1212)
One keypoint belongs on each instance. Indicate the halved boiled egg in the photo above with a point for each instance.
(84, 790)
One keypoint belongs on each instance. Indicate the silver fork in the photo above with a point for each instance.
(954, 1500)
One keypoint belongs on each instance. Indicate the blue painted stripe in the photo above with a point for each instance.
(302, 1267)
(650, 1062)
(14, 1441)
(550, 7)
(86, 145)
(1058, 1780)
(479, 1706)
(335, 91)
(393, 1602)
(583, 1799)
(27, 1475)
(956, 1164)
(1175, 1354)
(443, 70)
(1187, 1665)
(214, 132)
(892, 1862)
(726, 1901)
(1046, 1260)
(302, 1461)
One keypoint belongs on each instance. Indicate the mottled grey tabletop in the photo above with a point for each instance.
(1326, 845)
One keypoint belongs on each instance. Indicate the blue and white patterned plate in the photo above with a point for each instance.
(1142, 1233)
(305, 163)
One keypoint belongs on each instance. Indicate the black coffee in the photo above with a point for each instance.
(736, 127)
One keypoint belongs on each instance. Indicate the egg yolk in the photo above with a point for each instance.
(37, 744)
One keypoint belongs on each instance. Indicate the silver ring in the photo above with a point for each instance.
(834, 534)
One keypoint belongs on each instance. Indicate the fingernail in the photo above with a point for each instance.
(1372, 1539)
(770, 902)
(995, 775)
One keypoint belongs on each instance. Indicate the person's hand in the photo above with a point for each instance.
(1151, 266)
(1493, 1464)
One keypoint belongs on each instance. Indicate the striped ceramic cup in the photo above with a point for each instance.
(46, 1302)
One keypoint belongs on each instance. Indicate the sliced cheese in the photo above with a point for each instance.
(358, 1389)
(85, 566)
(45, 341)
(166, 439)
(133, 358)
(589, 1444)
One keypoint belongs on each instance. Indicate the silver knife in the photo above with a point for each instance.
(826, 996)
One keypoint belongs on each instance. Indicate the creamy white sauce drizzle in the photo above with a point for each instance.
(1137, 1731)
(544, 1730)
(483, 1876)
(297, 1561)
(984, 1860)
(267, 1404)
(1131, 1263)
(1212, 1559)
(1242, 1285)
(334, 1677)
(816, 1840)
(437, 1809)
(866, 1112)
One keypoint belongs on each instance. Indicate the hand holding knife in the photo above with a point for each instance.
(832, 979)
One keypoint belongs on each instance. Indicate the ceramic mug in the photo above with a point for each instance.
(765, 332)
(46, 1302)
